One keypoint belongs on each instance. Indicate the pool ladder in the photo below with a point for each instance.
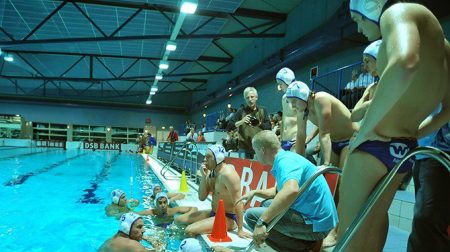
(342, 244)
(165, 168)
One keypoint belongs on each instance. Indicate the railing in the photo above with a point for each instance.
(328, 169)
(189, 148)
(167, 166)
(434, 153)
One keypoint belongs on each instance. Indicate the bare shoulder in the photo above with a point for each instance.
(229, 172)
(405, 11)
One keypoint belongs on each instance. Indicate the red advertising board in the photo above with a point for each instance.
(253, 176)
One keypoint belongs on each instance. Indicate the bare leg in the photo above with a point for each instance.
(192, 216)
(362, 173)
(176, 196)
(331, 238)
(205, 226)
(184, 218)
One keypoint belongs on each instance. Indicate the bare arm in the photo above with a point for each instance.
(112, 211)
(146, 212)
(323, 108)
(402, 42)
(432, 124)
(301, 134)
(204, 187)
(312, 135)
(232, 182)
(266, 193)
(282, 200)
(183, 210)
(361, 106)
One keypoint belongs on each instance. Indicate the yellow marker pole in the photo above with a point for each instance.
(183, 184)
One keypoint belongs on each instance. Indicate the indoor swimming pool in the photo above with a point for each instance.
(54, 200)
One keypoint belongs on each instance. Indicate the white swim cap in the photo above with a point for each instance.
(161, 195)
(218, 152)
(126, 222)
(190, 245)
(370, 9)
(299, 90)
(285, 75)
(372, 49)
(116, 194)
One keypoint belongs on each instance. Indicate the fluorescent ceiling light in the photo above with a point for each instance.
(152, 92)
(9, 58)
(154, 88)
(189, 6)
(158, 77)
(171, 46)
(148, 101)
(163, 64)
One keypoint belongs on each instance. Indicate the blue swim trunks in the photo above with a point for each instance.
(228, 215)
(390, 153)
(287, 145)
(339, 145)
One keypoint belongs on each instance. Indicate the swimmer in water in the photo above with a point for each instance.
(120, 204)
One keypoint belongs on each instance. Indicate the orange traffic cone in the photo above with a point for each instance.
(219, 232)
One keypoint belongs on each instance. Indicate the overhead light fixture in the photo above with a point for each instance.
(17, 115)
(163, 64)
(159, 77)
(171, 46)
(189, 6)
(152, 92)
(229, 88)
(163, 127)
(148, 101)
(154, 88)
(229, 105)
(8, 57)
(204, 115)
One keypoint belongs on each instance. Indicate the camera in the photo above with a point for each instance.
(254, 121)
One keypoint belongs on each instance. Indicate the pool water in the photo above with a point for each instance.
(54, 200)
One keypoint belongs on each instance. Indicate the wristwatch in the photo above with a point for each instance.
(261, 222)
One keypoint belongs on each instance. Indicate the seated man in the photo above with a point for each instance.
(172, 196)
(128, 237)
(223, 182)
(309, 218)
(162, 210)
(120, 204)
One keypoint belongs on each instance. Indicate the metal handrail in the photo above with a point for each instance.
(166, 167)
(328, 169)
(196, 161)
(432, 152)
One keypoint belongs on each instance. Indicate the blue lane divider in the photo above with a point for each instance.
(22, 178)
(89, 197)
(25, 154)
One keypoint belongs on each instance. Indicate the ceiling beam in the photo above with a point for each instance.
(131, 78)
(242, 12)
(201, 58)
(93, 102)
(139, 37)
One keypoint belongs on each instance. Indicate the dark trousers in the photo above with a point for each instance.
(432, 208)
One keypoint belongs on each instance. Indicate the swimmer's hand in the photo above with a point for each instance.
(221, 249)
(246, 198)
(243, 234)
(204, 171)
(133, 203)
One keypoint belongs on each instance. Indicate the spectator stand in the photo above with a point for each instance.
(335, 81)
